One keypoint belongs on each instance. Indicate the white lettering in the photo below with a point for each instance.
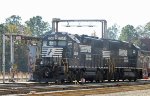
(50, 38)
(61, 38)
(85, 48)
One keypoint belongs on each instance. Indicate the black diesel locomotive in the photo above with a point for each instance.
(68, 57)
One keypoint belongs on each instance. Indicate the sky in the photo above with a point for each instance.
(121, 12)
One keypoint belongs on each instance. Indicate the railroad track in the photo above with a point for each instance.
(94, 91)
(41, 89)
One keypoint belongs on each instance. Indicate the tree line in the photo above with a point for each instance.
(129, 33)
(35, 26)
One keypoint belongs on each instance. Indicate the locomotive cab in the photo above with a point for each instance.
(56, 52)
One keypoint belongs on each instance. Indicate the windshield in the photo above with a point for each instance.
(61, 43)
(52, 43)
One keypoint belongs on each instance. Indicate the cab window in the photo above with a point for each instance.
(61, 43)
(44, 43)
(52, 43)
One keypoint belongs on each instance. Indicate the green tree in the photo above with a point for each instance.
(147, 26)
(140, 31)
(129, 34)
(3, 29)
(147, 30)
(14, 19)
(13, 25)
(37, 26)
(113, 31)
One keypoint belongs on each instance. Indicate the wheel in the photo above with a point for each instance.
(99, 76)
(91, 81)
(135, 79)
(62, 81)
(71, 76)
(82, 77)
(109, 80)
(129, 79)
(123, 79)
(78, 76)
(118, 80)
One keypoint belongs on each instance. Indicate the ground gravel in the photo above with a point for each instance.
(129, 93)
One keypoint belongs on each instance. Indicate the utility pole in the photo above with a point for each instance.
(3, 58)
(12, 56)
(11, 50)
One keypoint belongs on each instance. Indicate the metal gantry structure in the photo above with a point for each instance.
(55, 26)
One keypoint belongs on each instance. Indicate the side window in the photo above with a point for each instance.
(52, 43)
(61, 43)
(44, 43)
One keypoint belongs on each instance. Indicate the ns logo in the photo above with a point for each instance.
(51, 52)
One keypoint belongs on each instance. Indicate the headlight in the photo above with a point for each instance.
(41, 62)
